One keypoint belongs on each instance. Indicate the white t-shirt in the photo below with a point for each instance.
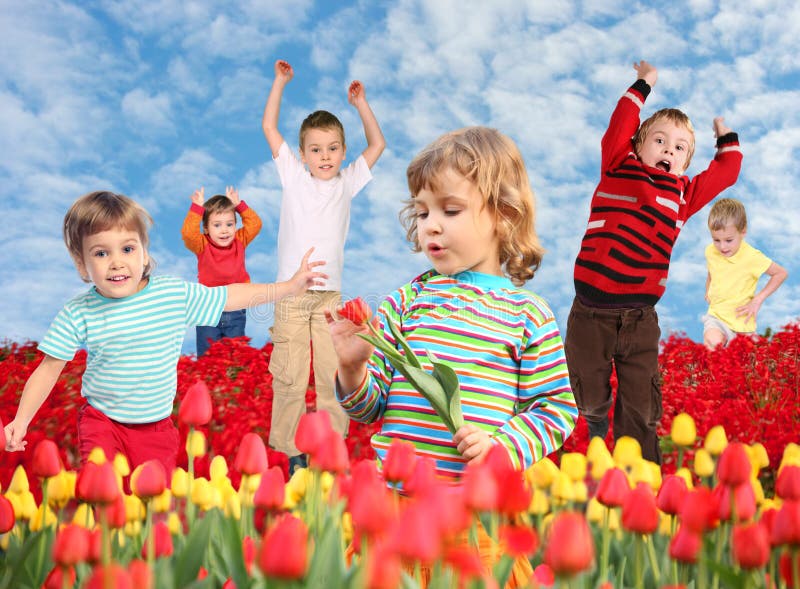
(315, 213)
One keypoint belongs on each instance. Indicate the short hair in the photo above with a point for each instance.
(320, 119)
(219, 203)
(494, 164)
(673, 115)
(727, 211)
(100, 211)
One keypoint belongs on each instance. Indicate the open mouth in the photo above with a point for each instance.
(118, 278)
(664, 165)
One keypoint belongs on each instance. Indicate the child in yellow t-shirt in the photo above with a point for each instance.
(734, 268)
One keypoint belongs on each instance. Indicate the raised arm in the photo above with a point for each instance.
(269, 122)
(357, 96)
(37, 388)
(646, 72)
(245, 295)
(190, 231)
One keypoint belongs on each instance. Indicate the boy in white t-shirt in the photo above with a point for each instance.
(315, 212)
(734, 268)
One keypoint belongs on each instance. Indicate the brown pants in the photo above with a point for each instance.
(300, 325)
(628, 338)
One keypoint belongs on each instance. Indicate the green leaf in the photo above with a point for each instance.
(326, 569)
(449, 381)
(227, 542)
(411, 358)
(428, 386)
(502, 569)
(189, 561)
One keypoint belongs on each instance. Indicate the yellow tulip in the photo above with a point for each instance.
(84, 516)
(791, 451)
(759, 456)
(43, 518)
(771, 503)
(540, 504)
(233, 507)
(686, 475)
(580, 492)
(573, 464)
(683, 431)
(716, 441)
(174, 524)
(19, 481)
(326, 481)
(97, 455)
(703, 463)
(16, 504)
(296, 487)
(602, 461)
(202, 494)
(133, 529)
(595, 511)
(347, 527)
(758, 490)
(121, 465)
(134, 508)
(196, 443)
(597, 449)
(180, 483)
(627, 452)
(218, 469)
(787, 460)
(162, 503)
(542, 474)
(217, 499)
(562, 490)
(58, 490)
(664, 524)
(28, 505)
(640, 473)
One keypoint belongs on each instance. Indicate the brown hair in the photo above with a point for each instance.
(494, 164)
(101, 211)
(219, 203)
(727, 211)
(674, 116)
(320, 119)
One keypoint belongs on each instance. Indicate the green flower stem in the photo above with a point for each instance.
(651, 553)
(105, 540)
(680, 457)
(604, 547)
(150, 535)
(190, 507)
(638, 560)
(794, 554)
(40, 552)
(717, 553)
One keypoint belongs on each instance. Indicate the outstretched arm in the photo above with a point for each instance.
(245, 295)
(269, 122)
(777, 274)
(37, 388)
(357, 96)
(190, 231)
(646, 72)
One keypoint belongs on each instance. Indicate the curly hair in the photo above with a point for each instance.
(494, 164)
(674, 116)
(100, 211)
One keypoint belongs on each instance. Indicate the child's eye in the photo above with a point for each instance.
(128, 249)
(680, 147)
(314, 150)
(100, 254)
(335, 148)
(421, 214)
(452, 212)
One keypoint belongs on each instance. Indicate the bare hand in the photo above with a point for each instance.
(15, 434)
(350, 349)
(720, 128)
(283, 71)
(233, 195)
(646, 72)
(198, 197)
(472, 443)
(356, 93)
(306, 276)
(749, 311)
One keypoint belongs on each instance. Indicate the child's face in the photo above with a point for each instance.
(454, 229)
(323, 152)
(221, 228)
(666, 147)
(114, 261)
(728, 240)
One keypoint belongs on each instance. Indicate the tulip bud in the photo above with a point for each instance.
(60, 577)
(685, 545)
(180, 482)
(271, 492)
(788, 484)
(218, 468)
(46, 461)
(141, 575)
(19, 481)
(671, 494)
(97, 483)
(356, 310)
(196, 407)
(71, 545)
(734, 465)
(542, 474)
(716, 440)
(7, 518)
(195, 444)
(703, 463)
(313, 431)
(573, 464)
(399, 462)
(639, 512)
(570, 547)
(751, 546)
(627, 452)
(251, 458)
(613, 488)
(519, 540)
(163, 541)
(112, 575)
(149, 479)
(683, 431)
(283, 553)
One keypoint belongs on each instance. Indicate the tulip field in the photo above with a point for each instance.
(723, 511)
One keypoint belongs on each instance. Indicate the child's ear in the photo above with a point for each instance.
(81, 268)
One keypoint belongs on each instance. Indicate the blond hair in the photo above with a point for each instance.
(727, 211)
(674, 116)
(493, 163)
(102, 211)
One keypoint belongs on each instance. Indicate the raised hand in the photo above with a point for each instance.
(720, 128)
(306, 276)
(646, 72)
(233, 195)
(356, 93)
(283, 71)
(198, 197)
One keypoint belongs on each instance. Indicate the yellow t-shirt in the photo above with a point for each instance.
(733, 283)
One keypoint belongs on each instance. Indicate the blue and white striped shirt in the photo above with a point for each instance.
(133, 344)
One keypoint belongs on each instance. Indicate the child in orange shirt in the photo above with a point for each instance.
(220, 253)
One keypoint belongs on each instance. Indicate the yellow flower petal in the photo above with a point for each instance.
(683, 431)
(703, 463)
(716, 441)
(573, 464)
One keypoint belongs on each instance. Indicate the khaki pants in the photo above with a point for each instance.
(300, 326)
(628, 338)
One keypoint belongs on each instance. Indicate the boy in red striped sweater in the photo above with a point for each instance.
(637, 211)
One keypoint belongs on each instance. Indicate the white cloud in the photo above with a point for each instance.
(148, 114)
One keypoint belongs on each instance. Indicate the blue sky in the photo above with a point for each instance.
(154, 98)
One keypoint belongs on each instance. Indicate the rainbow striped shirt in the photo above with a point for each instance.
(504, 345)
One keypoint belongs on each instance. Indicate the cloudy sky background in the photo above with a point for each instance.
(154, 98)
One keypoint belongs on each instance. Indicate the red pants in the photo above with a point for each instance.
(139, 442)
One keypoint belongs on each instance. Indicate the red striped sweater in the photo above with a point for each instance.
(637, 212)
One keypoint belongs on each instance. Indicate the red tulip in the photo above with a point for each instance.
(513, 495)
(112, 575)
(249, 551)
(56, 578)
(399, 462)
(698, 511)
(196, 405)
(95, 553)
(97, 483)
(788, 484)
(519, 540)
(544, 575)
(163, 541)
(744, 498)
(787, 565)
(671, 494)
(369, 502)
(751, 546)
(115, 513)
(768, 520)
(466, 561)
(786, 527)
(271, 492)
(383, 568)
(149, 479)
(416, 535)
(613, 488)
(229, 584)
(46, 461)
(251, 458)
(71, 545)
(313, 431)
(685, 545)
(639, 512)
(570, 548)
(7, 518)
(480, 488)
(356, 310)
(734, 466)
(332, 455)
(141, 575)
(423, 477)
(284, 550)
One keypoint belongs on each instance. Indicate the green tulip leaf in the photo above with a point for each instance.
(411, 358)
(188, 564)
(448, 378)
